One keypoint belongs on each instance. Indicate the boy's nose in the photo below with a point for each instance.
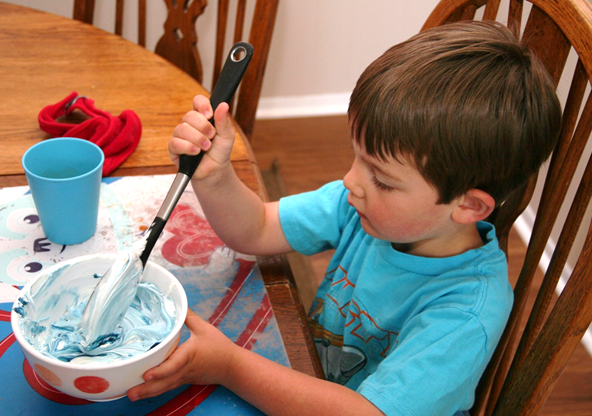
(351, 182)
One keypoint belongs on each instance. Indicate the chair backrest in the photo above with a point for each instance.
(179, 42)
(519, 379)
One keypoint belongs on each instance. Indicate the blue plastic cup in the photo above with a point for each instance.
(64, 176)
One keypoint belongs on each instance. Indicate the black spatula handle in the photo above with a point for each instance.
(228, 81)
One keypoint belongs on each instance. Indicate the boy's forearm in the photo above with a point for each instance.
(277, 390)
(238, 216)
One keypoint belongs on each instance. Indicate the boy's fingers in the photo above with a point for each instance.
(193, 316)
(170, 366)
(193, 322)
(178, 146)
(192, 136)
(222, 120)
(200, 123)
(202, 105)
(152, 389)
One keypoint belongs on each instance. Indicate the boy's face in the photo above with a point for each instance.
(396, 204)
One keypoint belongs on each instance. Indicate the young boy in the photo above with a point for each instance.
(416, 297)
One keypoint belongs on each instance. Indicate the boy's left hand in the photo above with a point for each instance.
(203, 359)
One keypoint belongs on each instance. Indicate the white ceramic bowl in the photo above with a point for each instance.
(107, 381)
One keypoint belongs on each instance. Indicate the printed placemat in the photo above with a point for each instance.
(222, 286)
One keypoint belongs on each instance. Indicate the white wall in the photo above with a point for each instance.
(319, 47)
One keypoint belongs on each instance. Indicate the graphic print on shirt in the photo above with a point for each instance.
(344, 331)
(340, 362)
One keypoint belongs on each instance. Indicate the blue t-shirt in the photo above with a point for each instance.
(411, 334)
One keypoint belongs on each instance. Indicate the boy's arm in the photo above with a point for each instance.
(237, 215)
(277, 390)
(208, 357)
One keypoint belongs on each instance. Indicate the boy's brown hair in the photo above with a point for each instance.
(464, 102)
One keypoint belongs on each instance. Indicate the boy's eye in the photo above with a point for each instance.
(381, 185)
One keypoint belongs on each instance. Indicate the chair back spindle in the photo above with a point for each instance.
(530, 358)
(179, 43)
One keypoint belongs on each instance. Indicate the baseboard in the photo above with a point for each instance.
(523, 226)
(303, 106)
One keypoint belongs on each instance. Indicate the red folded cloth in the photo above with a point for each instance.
(117, 136)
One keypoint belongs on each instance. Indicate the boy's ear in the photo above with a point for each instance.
(475, 205)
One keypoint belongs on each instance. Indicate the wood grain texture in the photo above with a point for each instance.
(179, 44)
(46, 57)
(295, 333)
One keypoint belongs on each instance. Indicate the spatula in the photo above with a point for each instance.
(115, 291)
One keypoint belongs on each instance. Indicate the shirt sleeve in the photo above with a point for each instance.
(434, 368)
(313, 221)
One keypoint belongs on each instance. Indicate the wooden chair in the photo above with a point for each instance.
(518, 383)
(179, 42)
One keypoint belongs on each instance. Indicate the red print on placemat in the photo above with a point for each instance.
(192, 396)
(9, 340)
(193, 239)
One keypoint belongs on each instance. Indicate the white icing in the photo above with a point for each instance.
(112, 296)
(51, 313)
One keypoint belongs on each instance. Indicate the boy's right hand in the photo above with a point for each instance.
(205, 358)
(196, 134)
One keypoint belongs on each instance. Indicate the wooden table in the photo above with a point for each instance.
(45, 57)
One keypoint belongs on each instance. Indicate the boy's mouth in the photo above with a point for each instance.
(362, 216)
(354, 207)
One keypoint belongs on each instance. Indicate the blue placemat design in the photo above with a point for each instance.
(222, 286)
